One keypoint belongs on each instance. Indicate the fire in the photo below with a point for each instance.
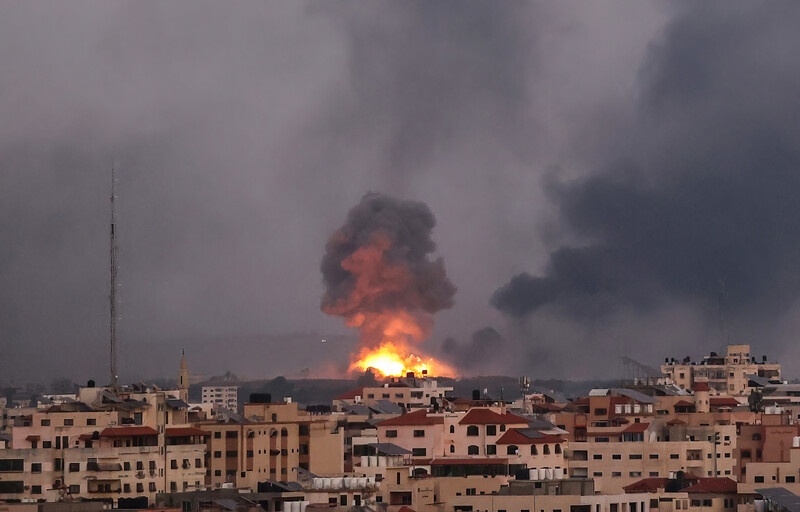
(393, 361)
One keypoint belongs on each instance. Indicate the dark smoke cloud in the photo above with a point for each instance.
(697, 201)
(479, 353)
(377, 267)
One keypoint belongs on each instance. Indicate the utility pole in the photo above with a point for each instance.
(113, 295)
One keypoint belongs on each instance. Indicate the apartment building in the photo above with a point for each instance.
(727, 374)
(408, 393)
(225, 396)
(127, 448)
(618, 456)
(272, 441)
(481, 433)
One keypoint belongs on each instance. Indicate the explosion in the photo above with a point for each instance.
(380, 279)
(392, 361)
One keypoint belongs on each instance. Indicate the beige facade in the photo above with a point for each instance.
(276, 441)
(725, 374)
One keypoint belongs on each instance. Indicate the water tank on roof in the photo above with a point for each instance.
(796, 442)
(558, 473)
(549, 474)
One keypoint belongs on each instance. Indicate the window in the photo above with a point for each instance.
(217, 435)
(471, 491)
(491, 430)
(558, 448)
(491, 449)
(635, 456)
(674, 456)
(601, 412)
(597, 456)
(36, 467)
(653, 474)
(654, 456)
(419, 433)
(218, 472)
(47, 444)
(472, 430)
(139, 465)
(635, 474)
(512, 449)
(706, 503)
(391, 433)
(91, 421)
(597, 474)
(452, 429)
(600, 439)
(68, 422)
(36, 489)
(76, 489)
(616, 456)
(616, 474)
(756, 437)
(198, 463)
(217, 455)
(452, 448)
(418, 452)
(126, 488)
(45, 423)
(758, 479)
(173, 464)
(152, 487)
(534, 450)
(473, 450)
(231, 434)
(546, 449)
(126, 465)
(790, 479)
(74, 467)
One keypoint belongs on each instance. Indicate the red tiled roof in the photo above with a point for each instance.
(128, 432)
(468, 462)
(186, 432)
(714, 486)
(481, 416)
(512, 436)
(406, 509)
(646, 485)
(683, 403)
(636, 428)
(676, 421)
(700, 386)
(727, 401)
(85, 437)
(350, 395)
(413, 418)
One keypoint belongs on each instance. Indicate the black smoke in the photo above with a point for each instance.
(483, 348)
(696, 201)
(378, 266)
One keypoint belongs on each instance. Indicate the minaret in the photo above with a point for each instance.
(183, 379)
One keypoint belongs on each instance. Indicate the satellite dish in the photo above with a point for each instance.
(324, 340)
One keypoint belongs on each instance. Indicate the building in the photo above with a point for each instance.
(728, 374)
(225, 396)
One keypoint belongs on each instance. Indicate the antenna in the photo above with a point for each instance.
(112, 298)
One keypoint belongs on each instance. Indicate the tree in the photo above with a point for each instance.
(756, 400)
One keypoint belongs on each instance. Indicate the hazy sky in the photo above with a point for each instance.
(633, 166)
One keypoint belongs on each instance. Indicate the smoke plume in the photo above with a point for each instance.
(483, 348)
(378, 273)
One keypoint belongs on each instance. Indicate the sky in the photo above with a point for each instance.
(607, 179)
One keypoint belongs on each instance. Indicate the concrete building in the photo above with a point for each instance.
(409, 393)
(725, 374)
(225, 396)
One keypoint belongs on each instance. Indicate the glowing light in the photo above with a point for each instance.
(391, 360)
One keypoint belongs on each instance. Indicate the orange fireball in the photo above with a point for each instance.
(392, 361)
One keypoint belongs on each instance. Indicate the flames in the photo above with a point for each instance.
(381, 277)
(391, 360)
